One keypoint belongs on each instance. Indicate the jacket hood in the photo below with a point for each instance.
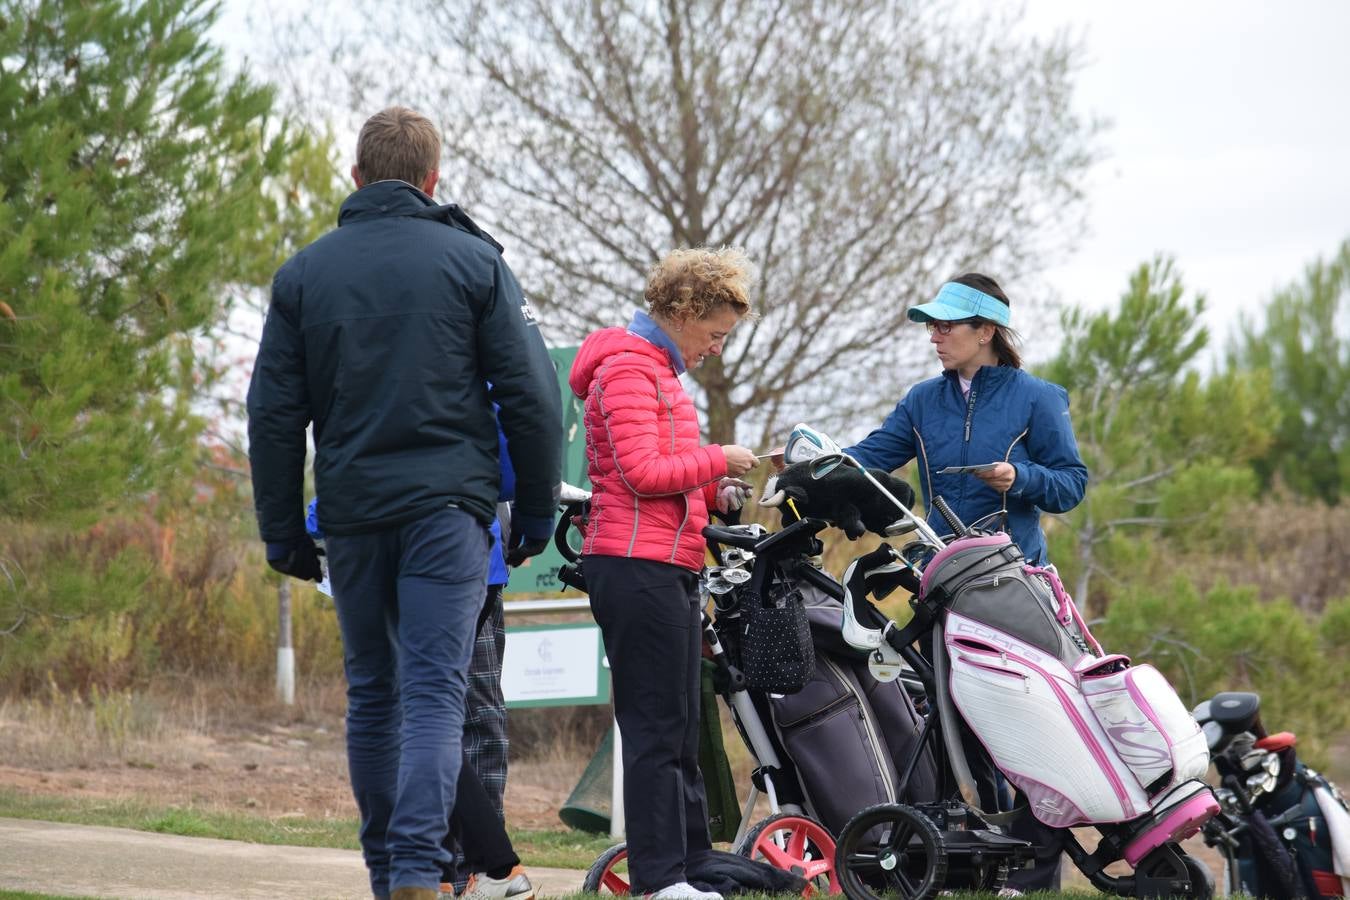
(599, 346)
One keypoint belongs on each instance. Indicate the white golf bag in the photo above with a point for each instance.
(1088, 737)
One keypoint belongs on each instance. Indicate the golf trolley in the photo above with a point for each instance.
(1087, 738)
(1284, 829)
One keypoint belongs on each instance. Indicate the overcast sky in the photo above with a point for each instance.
(1229, 144)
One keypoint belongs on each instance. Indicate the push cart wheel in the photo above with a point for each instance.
(796, 844)
(890, 851)
(609, 872)
(1202, 880)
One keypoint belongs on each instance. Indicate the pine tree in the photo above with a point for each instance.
(1165, 448)
(130, 174)
(1304, 343)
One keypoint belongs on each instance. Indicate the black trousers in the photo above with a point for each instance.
(476, 827)
(650, 619)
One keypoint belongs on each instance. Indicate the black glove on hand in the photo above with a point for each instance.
(529, 537)
(298, 558)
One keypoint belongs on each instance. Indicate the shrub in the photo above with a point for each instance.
(1230, 638)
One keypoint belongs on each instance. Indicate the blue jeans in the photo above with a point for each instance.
(407, 600)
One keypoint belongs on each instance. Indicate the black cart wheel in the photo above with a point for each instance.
(890, 852)
(1202, 880)
(1169, 871)
(609, 872)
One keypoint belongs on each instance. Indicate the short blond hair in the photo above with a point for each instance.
(400, 144)
(693, 284)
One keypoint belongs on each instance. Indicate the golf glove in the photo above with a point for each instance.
(732, 494)
(529, 537)
(298, 558)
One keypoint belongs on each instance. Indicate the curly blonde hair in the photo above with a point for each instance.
(694, 283)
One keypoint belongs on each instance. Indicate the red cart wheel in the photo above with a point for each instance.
(609, 872)
(797, 844)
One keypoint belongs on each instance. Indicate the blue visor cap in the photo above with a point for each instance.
(958, 301)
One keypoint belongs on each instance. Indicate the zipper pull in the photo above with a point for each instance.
(1026, 685)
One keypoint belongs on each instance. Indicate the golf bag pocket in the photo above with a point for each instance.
(777, 655)
(1025, 707)
(1151, 731)
(831, 735)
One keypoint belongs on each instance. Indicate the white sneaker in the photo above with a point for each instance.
(515, 886)
(1009, 892)
(683, 890)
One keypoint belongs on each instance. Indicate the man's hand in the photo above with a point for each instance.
(732, 494)
(298, 558)
(529, 537)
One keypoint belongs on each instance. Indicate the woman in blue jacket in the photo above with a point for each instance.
(984, 409)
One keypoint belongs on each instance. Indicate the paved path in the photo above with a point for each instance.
(93, 861)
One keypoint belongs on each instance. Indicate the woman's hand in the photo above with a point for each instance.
(1000, 477)
(732, 494)
(739, 459)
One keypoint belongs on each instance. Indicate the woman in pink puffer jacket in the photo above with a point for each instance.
(652, 483)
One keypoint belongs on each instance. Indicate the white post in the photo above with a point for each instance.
(616, 823)
(285, 652)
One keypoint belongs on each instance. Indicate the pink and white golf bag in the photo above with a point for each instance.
(1089, 738)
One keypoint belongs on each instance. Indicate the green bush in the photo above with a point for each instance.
(1230, 638)
(132, 599)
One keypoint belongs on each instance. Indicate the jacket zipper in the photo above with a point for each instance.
(970, 412)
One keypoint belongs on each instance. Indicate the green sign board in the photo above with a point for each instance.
(539, 575)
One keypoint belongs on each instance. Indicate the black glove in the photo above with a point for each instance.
(298, 558)
(529, 537)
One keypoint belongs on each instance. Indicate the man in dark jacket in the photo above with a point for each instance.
(383, 334)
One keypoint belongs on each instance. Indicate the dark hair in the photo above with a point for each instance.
(1004, 337)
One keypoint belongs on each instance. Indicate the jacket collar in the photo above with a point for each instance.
(645, 327)
(986, 377)
(383, 198)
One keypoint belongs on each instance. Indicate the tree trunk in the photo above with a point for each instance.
(1080, 586)
(721, 422)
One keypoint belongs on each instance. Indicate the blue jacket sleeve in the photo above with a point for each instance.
(508, 489)
(1055, 477)
(890, 446)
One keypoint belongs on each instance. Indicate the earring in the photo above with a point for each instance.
(983, 341)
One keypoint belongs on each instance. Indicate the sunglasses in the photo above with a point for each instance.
(945, 328)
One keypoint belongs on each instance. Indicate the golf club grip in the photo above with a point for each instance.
(953, 522)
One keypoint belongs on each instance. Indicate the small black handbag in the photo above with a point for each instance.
(777, 655)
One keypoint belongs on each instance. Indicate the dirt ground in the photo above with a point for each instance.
(274, 768)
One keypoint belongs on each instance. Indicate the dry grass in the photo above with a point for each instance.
(226, 747)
